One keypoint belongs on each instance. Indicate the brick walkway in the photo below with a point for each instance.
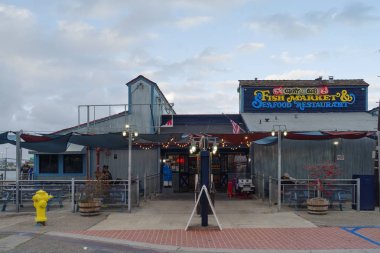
(252, 238)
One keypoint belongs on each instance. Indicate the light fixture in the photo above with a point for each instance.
(285, 132)
(336, 143)
(124, 133)
(127, 126)
(215, 148)
(273, 132)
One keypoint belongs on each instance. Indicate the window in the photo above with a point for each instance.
(73, 163)
(48, 164)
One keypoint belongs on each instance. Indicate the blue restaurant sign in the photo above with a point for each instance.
(305, 99)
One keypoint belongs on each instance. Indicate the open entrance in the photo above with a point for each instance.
(225, 166)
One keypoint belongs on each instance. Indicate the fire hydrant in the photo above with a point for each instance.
(40, 200)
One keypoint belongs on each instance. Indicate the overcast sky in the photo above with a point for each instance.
(56, 55)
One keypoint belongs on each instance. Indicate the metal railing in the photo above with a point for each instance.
(112, 192)
(151, 185)
(342, 193)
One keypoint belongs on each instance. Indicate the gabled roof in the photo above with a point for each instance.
(93, 122)
(306, 83)
(141, 77)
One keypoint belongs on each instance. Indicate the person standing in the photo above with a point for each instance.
(168, 175)
(106, 174)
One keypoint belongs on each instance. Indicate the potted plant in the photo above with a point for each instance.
(318, 174)
(90, 200)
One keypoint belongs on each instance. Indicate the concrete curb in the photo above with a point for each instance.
(187, 249)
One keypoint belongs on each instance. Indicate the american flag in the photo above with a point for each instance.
(168, 123)
(235, 127)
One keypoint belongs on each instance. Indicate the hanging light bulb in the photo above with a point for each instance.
(214, 148)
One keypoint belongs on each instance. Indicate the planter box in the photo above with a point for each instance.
(89, 208)
(317, 206)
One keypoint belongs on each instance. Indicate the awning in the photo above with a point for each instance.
(60, 144)
(54, 145)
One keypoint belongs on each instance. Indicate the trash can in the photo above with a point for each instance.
(367, 192)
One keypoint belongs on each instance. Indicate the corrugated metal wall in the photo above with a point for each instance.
(117, 160)
(297, 154)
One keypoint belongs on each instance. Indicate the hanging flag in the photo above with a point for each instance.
(235, 127)
(168, 123)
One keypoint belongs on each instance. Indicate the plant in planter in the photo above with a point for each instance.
(319, 173)
(91, 198)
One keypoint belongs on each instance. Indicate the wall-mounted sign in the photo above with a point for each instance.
(340, 157)
(304, 99)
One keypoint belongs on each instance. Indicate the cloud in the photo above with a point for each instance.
(357, 14)
(284, 25)
(313, 22)
(250, 47)
(199, 66)
(287, 58)
(190, 22)
(14, 13)
(296, 74)
(197, 97)
(84, 37)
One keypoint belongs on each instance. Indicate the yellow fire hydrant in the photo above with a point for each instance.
(40, 200)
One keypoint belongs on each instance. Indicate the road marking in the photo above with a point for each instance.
(354, 231)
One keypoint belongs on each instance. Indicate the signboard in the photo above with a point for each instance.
(340, 157)
(305, 99)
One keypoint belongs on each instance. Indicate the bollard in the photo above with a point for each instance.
(40, 200)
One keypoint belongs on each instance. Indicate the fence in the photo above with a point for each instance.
(113, 192)
(342, 193)
(151, 185)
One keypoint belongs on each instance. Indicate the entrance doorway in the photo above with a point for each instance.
(225, 166)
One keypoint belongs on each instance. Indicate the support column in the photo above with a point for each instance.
(205, 180)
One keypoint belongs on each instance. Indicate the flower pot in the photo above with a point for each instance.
(89, 208)
(317, 206)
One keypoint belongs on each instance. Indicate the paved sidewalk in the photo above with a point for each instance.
(244, 238)
(248, 225)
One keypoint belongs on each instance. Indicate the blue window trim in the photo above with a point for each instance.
(60, 167)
